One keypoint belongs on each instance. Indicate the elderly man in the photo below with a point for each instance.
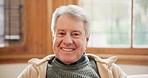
(71, 31)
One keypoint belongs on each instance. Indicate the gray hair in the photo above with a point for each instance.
(71, 10)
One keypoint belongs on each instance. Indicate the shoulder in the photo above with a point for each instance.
(40, 64)
(107, 65)
(108, 61)
(37, 61)
(36, 66)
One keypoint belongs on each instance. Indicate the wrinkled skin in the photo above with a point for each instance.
(70, 41)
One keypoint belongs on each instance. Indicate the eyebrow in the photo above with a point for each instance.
(60, 30)
(72, 30)
(76, 31)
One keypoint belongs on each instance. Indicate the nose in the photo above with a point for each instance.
(67, 40)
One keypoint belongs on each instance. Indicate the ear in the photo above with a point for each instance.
(87, 38)
(53, 37)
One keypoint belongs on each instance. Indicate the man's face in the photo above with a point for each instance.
(70, 40)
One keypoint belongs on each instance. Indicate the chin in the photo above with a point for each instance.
(69, 61)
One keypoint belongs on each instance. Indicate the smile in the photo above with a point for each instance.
(67, 49)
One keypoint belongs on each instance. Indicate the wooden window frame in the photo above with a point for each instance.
(36, 35)
(138, 56)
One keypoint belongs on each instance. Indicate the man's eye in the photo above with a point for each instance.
(61, 34)
(75, 34)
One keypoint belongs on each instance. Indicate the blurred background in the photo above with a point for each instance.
(118, 28)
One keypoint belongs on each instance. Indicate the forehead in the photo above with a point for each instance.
(67, 22)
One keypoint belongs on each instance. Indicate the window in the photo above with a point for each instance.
(11, 22)
(39, 44)
(140, 29)
(36, 32)
(119, 27)
(110, 22)
(112, 26)
(1, 23)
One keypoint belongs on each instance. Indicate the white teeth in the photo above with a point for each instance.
(68, 50)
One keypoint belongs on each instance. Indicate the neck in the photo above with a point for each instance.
(82, 59)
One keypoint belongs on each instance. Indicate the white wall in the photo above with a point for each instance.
(134, 69)
(13, 70)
